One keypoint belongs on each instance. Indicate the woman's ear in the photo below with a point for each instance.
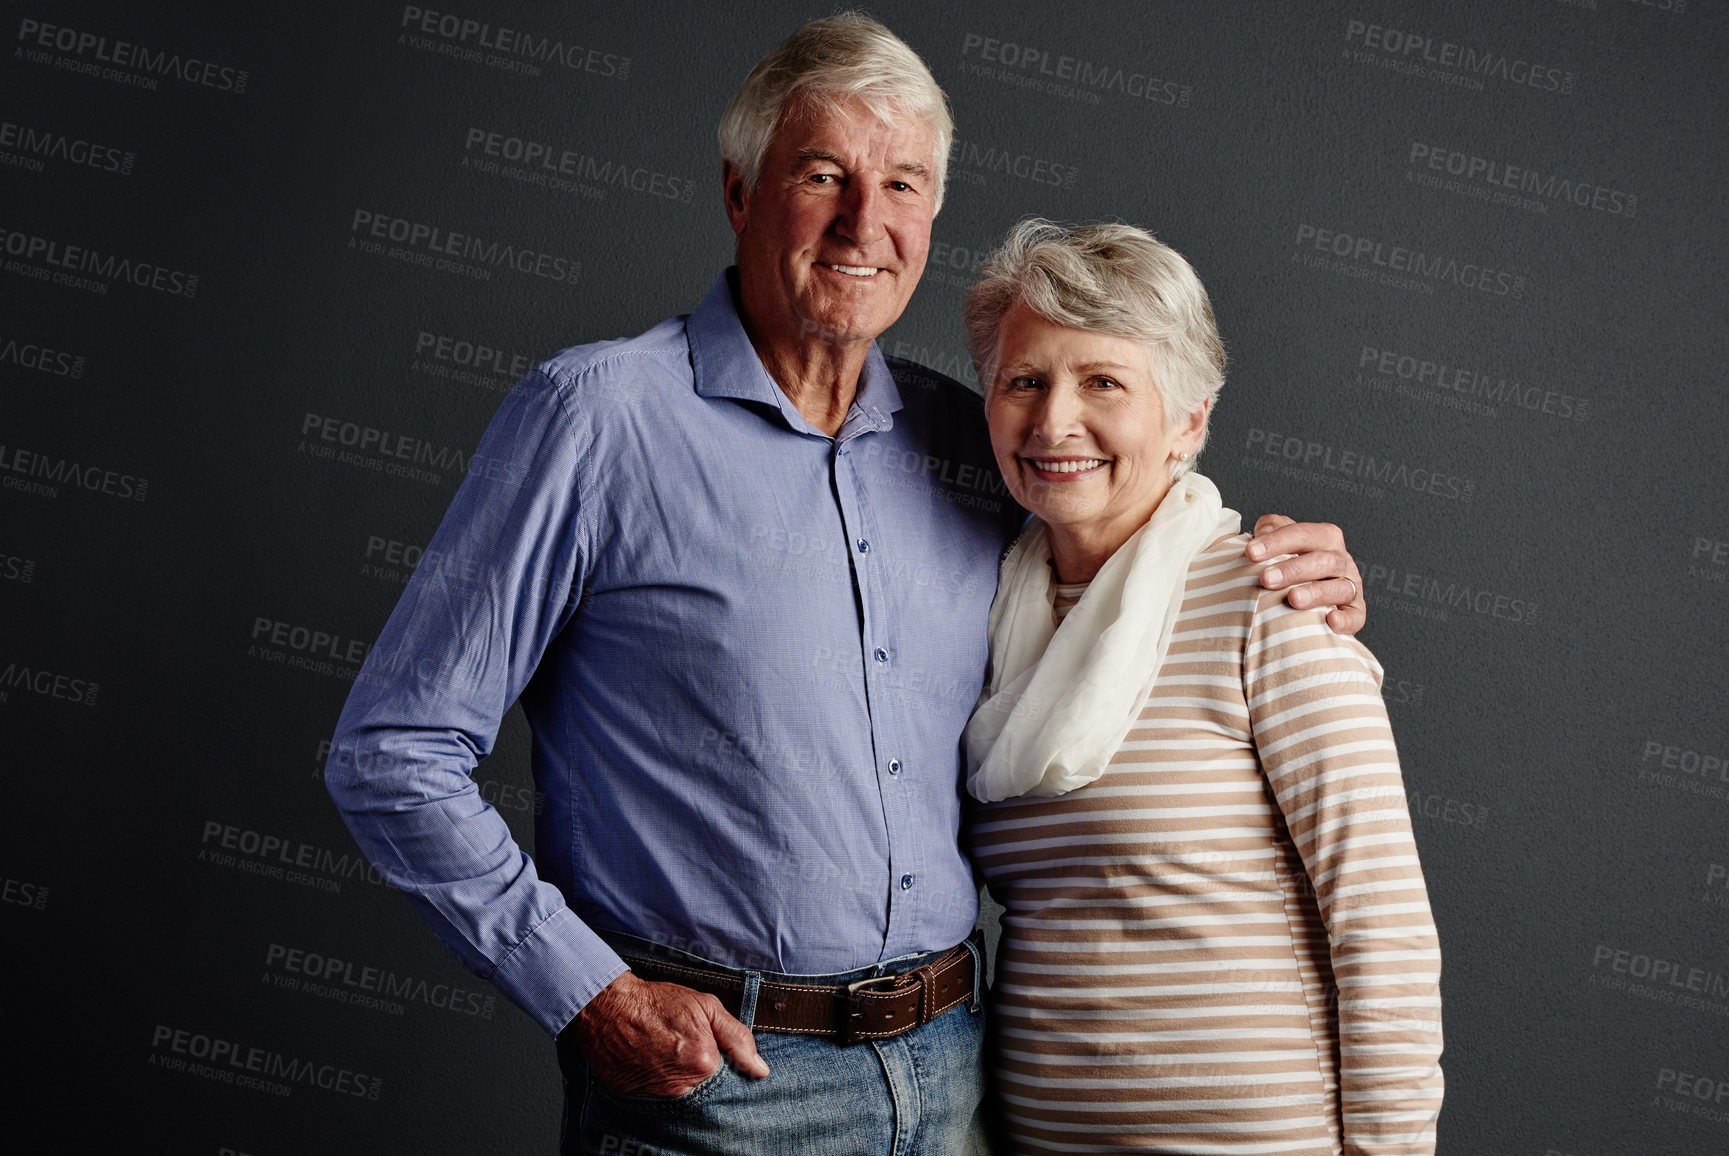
(1194, 428)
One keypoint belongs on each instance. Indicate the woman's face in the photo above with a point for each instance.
(1078, 427)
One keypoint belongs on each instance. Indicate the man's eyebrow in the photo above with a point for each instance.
(806, 155)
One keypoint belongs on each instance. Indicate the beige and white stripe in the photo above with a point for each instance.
(1224, 944)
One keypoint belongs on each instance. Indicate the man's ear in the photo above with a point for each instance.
(735, 196)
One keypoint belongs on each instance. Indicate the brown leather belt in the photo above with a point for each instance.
(868, 1009)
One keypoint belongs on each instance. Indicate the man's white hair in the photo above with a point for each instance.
(821, 66)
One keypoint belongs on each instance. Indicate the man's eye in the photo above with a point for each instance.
(823, 177)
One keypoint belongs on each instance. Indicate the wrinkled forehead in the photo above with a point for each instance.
(852, 129)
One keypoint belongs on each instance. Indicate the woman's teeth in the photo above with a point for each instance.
(1067, 467)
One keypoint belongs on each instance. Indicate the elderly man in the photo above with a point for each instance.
(737, 569)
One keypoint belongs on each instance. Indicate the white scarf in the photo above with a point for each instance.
(1061, 699)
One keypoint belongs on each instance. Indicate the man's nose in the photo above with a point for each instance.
(861, 219)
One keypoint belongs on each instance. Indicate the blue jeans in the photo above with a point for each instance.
(917, 1094)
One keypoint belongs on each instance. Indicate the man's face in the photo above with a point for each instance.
(833, 240)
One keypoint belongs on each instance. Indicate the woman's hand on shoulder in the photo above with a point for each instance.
(1321, 573)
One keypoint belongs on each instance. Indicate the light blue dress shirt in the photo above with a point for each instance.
(746, 651)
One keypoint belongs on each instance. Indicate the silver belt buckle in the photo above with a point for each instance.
(851, 1013)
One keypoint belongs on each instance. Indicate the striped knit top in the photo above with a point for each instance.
(1223, 945)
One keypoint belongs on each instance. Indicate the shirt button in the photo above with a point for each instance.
(906, 882)
(864, 547)
(882, 655)
(894, 766)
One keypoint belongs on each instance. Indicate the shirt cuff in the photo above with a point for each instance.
(556, 969)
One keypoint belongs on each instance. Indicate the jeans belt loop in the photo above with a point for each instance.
(978, 955)
(747, 1003)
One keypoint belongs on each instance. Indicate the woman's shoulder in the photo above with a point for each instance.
(1222, 581)
(1225, 584)
(1222, 563)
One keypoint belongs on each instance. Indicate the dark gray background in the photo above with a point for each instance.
(1552, 621)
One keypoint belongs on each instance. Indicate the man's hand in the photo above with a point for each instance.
(660, 1039)
(1321, 574)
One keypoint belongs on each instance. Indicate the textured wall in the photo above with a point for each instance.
(1470, 263)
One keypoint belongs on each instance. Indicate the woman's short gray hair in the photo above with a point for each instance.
(1105, 278)
(823, 64)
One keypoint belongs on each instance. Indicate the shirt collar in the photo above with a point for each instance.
(725, 364)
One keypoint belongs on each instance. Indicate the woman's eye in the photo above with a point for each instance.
(1105, 383)
(1024, 383)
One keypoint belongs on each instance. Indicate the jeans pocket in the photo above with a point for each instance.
(689, 1099)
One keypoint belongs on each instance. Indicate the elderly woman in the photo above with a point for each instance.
(1216, 937)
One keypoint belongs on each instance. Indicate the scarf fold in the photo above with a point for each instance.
(1061, 699)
